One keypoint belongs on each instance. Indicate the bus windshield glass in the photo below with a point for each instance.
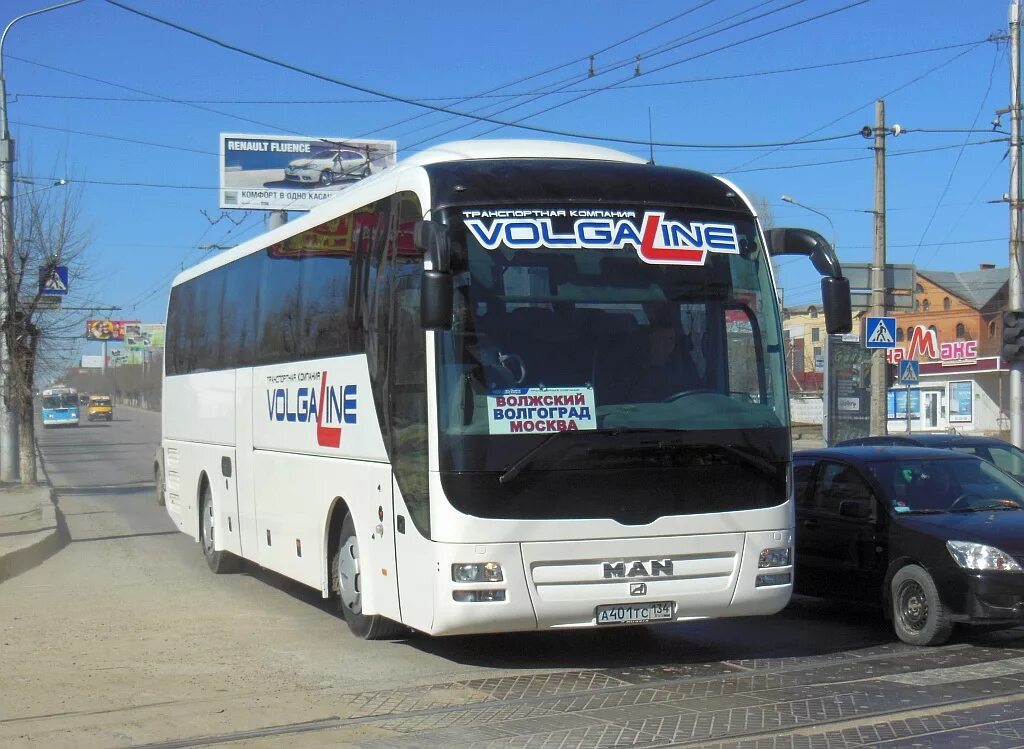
(588, 328)
(60, 400)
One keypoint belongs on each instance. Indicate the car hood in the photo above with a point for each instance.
(1003, 529)
(307, 163)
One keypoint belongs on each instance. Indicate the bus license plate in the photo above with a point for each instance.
(634, 613)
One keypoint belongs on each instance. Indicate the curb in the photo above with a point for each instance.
(53, 537)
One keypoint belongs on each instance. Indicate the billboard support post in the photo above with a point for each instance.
(104, 368)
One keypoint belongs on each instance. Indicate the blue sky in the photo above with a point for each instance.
(150, 223)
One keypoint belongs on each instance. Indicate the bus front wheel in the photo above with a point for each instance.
(220, 562)
(347, 583)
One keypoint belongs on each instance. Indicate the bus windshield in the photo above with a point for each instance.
(597, 346)
(60, 400)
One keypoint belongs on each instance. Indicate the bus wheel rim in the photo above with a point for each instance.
(208, 528)
(348, 576)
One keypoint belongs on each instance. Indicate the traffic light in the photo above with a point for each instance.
(1013, 335)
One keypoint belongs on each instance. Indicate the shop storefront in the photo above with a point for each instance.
(957, 390)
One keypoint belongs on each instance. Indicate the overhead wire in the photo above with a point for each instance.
(691, 58)
(855, 110)
(959, 155)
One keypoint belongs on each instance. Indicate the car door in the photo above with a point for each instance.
(842, 544)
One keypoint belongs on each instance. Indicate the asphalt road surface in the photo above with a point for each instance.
(125, 639)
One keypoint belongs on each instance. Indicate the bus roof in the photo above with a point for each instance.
(382, 184)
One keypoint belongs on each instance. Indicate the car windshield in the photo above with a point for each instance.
(931, 486)
(101, 401)
(323, 153)
(1006, 457)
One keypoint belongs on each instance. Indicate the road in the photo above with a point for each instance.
(125, 639)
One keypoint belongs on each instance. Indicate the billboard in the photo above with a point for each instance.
(106, 330)
(141, 336)
(294, 173)
(92, 362)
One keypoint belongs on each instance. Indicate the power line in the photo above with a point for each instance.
(426, 105)
(855, 110)
(691, 58)
(36, 125)
(959, 155)
(692, 36)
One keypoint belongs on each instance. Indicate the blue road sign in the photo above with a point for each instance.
(881, 332)
(53, 281)
(910, 372)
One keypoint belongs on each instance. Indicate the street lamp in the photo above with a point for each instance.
(789, 199)
(8, 427)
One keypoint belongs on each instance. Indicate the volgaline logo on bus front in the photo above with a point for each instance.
(328, 406)
(655, 239)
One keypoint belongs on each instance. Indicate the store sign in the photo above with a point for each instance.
(924, 345)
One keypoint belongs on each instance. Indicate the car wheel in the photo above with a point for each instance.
(918, 615)
(220, 562)
(346, 582)
(326, 178)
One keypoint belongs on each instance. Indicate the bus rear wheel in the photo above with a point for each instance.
(219, 562)
(347, 584)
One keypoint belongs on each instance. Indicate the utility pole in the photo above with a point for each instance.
(879, 415)
(1016, 290)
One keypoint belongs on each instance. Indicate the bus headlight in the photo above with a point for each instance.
(477, 572)
(774, 558)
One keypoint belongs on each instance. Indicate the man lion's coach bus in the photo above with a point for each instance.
(505, 385)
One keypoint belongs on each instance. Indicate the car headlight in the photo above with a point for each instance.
(972, 556)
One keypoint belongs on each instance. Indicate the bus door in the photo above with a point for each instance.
(244, 470)
(407, 383)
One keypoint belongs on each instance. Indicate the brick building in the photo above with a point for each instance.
(962, 306)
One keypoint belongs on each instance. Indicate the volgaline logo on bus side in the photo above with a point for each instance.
(656, 240)
(327, 406)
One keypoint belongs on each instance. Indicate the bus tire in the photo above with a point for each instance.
(346, 582)
(219, 562)
(161, 490)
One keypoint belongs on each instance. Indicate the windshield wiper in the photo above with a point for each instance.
(995, 508)
(924, 511)
(516, 468)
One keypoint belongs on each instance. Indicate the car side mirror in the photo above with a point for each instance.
(835, 299)
(851, 508)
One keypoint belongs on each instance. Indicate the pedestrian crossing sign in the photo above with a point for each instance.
(910, 372)
(881, 332)
(53, 281)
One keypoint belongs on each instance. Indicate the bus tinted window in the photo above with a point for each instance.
(302, 298)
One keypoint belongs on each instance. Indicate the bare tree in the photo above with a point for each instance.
(764, 210)
(47, 234)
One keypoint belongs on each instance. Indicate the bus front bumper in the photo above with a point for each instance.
(607, 582)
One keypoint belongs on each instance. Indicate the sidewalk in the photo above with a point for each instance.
(29, 528)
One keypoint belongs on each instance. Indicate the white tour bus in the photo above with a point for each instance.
(505, 385)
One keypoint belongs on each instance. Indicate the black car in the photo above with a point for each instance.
(1001, 454)
(935, 536)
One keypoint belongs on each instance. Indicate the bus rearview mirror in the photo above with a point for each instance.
(432, 239)
(436, 300)
(835, 298)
